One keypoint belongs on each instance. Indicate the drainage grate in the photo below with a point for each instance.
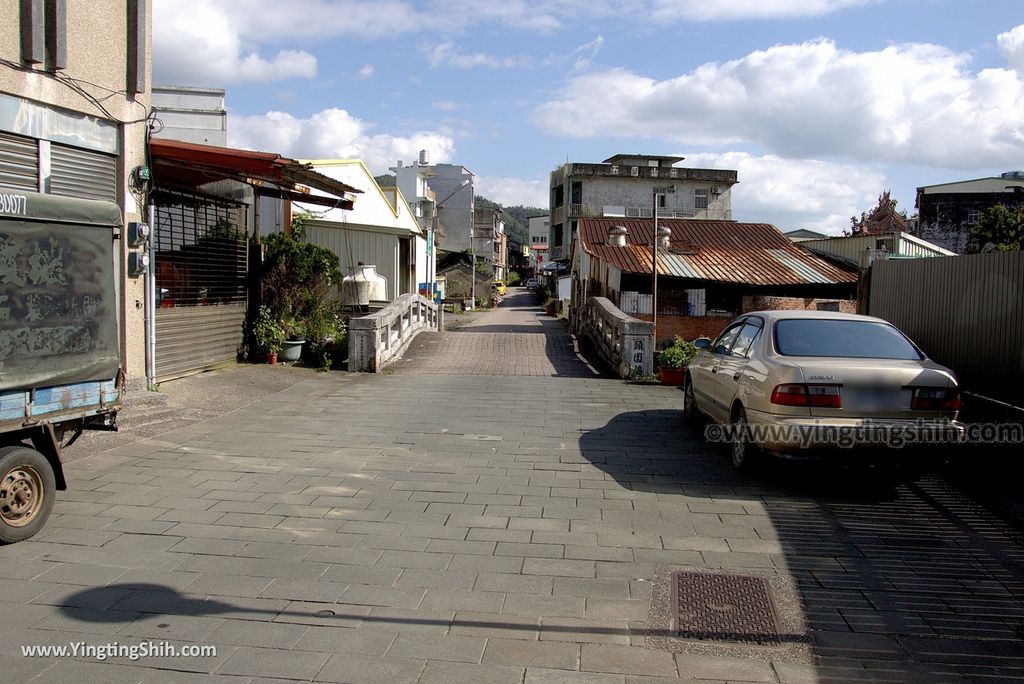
(723, 607)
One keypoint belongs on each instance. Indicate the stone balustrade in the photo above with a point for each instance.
(624, 343)
(379, 338)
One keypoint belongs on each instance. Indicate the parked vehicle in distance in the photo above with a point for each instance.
(806, 383)
(499, 287)
(531, 283)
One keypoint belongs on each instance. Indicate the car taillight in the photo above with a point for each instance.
(798, 394)
(935, 400)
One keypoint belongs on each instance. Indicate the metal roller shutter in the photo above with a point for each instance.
(200, 256)
(75, 172)
(19, 163)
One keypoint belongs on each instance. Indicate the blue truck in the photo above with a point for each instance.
(60, 363)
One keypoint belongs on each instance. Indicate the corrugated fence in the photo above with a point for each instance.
(966, 312)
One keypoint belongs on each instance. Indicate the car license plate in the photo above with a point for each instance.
(872, 398)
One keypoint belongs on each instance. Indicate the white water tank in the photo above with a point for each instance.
(364, 285)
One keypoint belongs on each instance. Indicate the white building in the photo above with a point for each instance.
(381, 229)
(539, 230)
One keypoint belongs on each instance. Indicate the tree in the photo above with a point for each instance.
(1000, 228)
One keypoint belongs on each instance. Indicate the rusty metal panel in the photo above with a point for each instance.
(965, 312)
(723, 606)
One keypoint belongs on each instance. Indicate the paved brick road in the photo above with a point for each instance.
(415, 527)
(517, 338)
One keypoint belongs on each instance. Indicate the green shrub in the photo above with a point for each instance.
(679, 355)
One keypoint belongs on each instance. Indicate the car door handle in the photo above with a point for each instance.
(736, 375)
(714, 370)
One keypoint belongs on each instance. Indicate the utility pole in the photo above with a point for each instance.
(658, 192)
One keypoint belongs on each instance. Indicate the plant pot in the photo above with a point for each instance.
(291, 351)
(272, 358)
(672, 376)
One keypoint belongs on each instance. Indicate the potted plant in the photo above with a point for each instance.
(673, 360)
(269, 334)
(294, 338)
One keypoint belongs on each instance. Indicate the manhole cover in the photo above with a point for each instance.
(723, 607)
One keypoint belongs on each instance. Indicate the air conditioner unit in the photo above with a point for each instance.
(634, 171)
(716, 189)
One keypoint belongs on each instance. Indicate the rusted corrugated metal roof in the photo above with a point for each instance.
(722, 251)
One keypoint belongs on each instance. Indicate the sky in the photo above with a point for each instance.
(820, 105)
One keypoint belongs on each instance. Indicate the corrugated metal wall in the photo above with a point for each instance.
(19, 163)
(352, 246)
(966, 312)
(191, 338)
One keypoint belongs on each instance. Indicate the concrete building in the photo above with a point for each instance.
(195, 115)
(490, 244)
(86, 141)
(441, 190)
(947, 212)
(623, 186)
(539, 230)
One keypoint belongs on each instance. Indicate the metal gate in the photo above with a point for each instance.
(19, 162)
(201, 281)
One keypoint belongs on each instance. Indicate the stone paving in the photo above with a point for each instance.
(419, 527)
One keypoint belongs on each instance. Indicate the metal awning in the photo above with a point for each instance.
(190, 166)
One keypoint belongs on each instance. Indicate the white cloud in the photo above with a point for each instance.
(445, 106)
(366, 71)
(202, 47)
(1011, 44)
(908, 103)
(447, 54)
(512, 191)
(728, 10)
(584, 55)
(796, 193)
(334, 133)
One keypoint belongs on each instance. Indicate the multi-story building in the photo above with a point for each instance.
(624, 186)
(441, 190)
(489, 240)
(539, 230)
(74, 102)
(948, 212)
(412, 181)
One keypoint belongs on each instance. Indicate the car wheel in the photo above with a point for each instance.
(27, 490)
(690, 411)
(745, 455)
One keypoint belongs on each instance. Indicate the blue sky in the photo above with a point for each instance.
(819, 104)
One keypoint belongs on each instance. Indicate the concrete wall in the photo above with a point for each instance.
(600, 192)
(456, 212)
(97, 52)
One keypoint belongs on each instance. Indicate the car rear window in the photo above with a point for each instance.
(851, 339)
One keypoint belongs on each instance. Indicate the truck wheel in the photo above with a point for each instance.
(27, 492)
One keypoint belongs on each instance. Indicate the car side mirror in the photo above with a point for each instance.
(702, 343)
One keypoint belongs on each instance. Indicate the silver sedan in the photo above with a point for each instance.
(799, 383)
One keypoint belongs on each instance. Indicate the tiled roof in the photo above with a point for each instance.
(722, 251)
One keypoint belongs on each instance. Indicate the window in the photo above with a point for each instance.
(745, 339)
(556, 234)
(721, 345)
(972, 216)
(700, 198)
(661, 201)
(557, 196)
(842, 338)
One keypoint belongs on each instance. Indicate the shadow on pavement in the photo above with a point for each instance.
(897, 581)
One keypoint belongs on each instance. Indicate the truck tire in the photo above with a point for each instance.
(27, 492)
